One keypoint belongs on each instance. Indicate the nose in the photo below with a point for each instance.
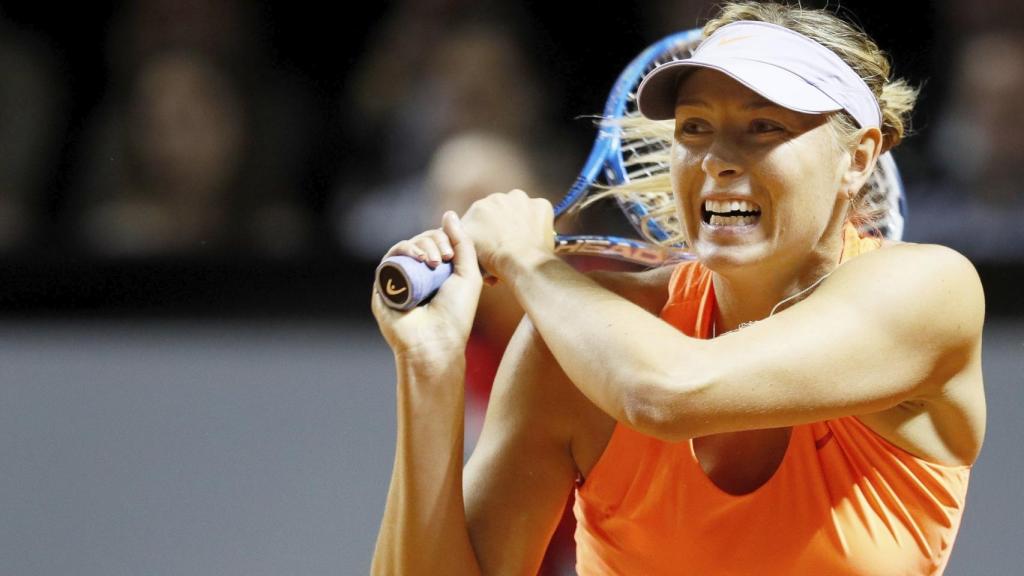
(722, 161)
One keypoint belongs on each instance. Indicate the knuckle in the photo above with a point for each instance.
(397, 248)
(425, 242)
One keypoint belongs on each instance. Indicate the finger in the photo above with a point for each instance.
(544, 203)
(443, 243)
(465, 252)
(429, 247)
(407, 248)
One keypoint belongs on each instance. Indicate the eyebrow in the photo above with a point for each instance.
(752, 105)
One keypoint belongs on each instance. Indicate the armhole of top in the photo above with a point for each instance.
(615, 452)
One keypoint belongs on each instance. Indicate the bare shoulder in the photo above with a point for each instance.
(647, 289)
(929, 301)
(920, 286)
(919, 258)
(935, 258)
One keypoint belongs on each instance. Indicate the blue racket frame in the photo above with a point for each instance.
(606, 160)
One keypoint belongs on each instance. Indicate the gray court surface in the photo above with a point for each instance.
(213, 448)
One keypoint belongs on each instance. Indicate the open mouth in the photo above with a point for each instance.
(730, 212)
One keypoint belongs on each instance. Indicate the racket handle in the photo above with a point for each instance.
(405, 282)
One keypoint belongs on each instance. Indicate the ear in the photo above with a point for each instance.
(863, 157)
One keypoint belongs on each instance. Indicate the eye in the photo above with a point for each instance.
(761, 126)
(693, 126)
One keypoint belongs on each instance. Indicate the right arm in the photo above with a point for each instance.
(498, 516)
(423, 530)
(521, 472)
(424, 525)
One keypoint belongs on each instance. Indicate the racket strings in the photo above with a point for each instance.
(641, 185)
(877, 208)
(645, 195)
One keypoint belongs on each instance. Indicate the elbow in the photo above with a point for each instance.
(664, 408)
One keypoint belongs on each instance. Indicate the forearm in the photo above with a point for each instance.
(618, 354)
(424, 527)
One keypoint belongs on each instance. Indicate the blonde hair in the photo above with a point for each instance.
(895, 96)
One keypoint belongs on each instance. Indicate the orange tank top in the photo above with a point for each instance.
(844, 501)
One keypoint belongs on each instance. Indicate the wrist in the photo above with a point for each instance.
(514, 265)
(432, 359)
(431, 384)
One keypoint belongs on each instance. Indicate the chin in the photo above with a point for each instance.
(725, 259)
(721, 248)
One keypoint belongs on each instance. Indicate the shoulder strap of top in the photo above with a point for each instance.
(691, 300)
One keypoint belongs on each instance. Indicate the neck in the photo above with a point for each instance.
(753, 294)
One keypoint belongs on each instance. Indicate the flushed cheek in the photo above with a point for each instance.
(686, 188)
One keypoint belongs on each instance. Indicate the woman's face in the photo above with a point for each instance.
(754, 183)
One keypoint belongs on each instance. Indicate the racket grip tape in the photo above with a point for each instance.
(405, 282)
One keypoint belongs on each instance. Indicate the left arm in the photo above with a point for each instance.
(890, 326)
(885, 328)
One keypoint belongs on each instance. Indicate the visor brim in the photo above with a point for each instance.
(657, 95)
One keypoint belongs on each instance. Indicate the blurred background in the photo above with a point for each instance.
(193, 195)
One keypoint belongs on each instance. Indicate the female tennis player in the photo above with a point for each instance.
(802, 399)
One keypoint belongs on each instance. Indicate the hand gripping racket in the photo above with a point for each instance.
(630, 161)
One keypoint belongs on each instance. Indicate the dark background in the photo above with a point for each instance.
(574, 49)
(229, 410)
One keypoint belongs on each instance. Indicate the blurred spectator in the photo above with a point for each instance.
(466, 168)
(475, 77)
(32, 117)
(400, 99)
(966, 19)
(198, 147)
(977, 203)
(230, 29)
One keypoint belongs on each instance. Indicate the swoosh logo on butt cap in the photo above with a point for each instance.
(389, 287)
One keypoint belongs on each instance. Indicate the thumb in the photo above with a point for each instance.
(465, 262)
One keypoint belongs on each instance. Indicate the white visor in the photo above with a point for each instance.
(781, 65)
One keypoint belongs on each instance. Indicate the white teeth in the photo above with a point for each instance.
(717, 220)
(726, 206)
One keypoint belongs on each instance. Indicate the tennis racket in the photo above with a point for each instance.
(630, 162)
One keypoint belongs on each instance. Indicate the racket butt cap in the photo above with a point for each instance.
(405, 282)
